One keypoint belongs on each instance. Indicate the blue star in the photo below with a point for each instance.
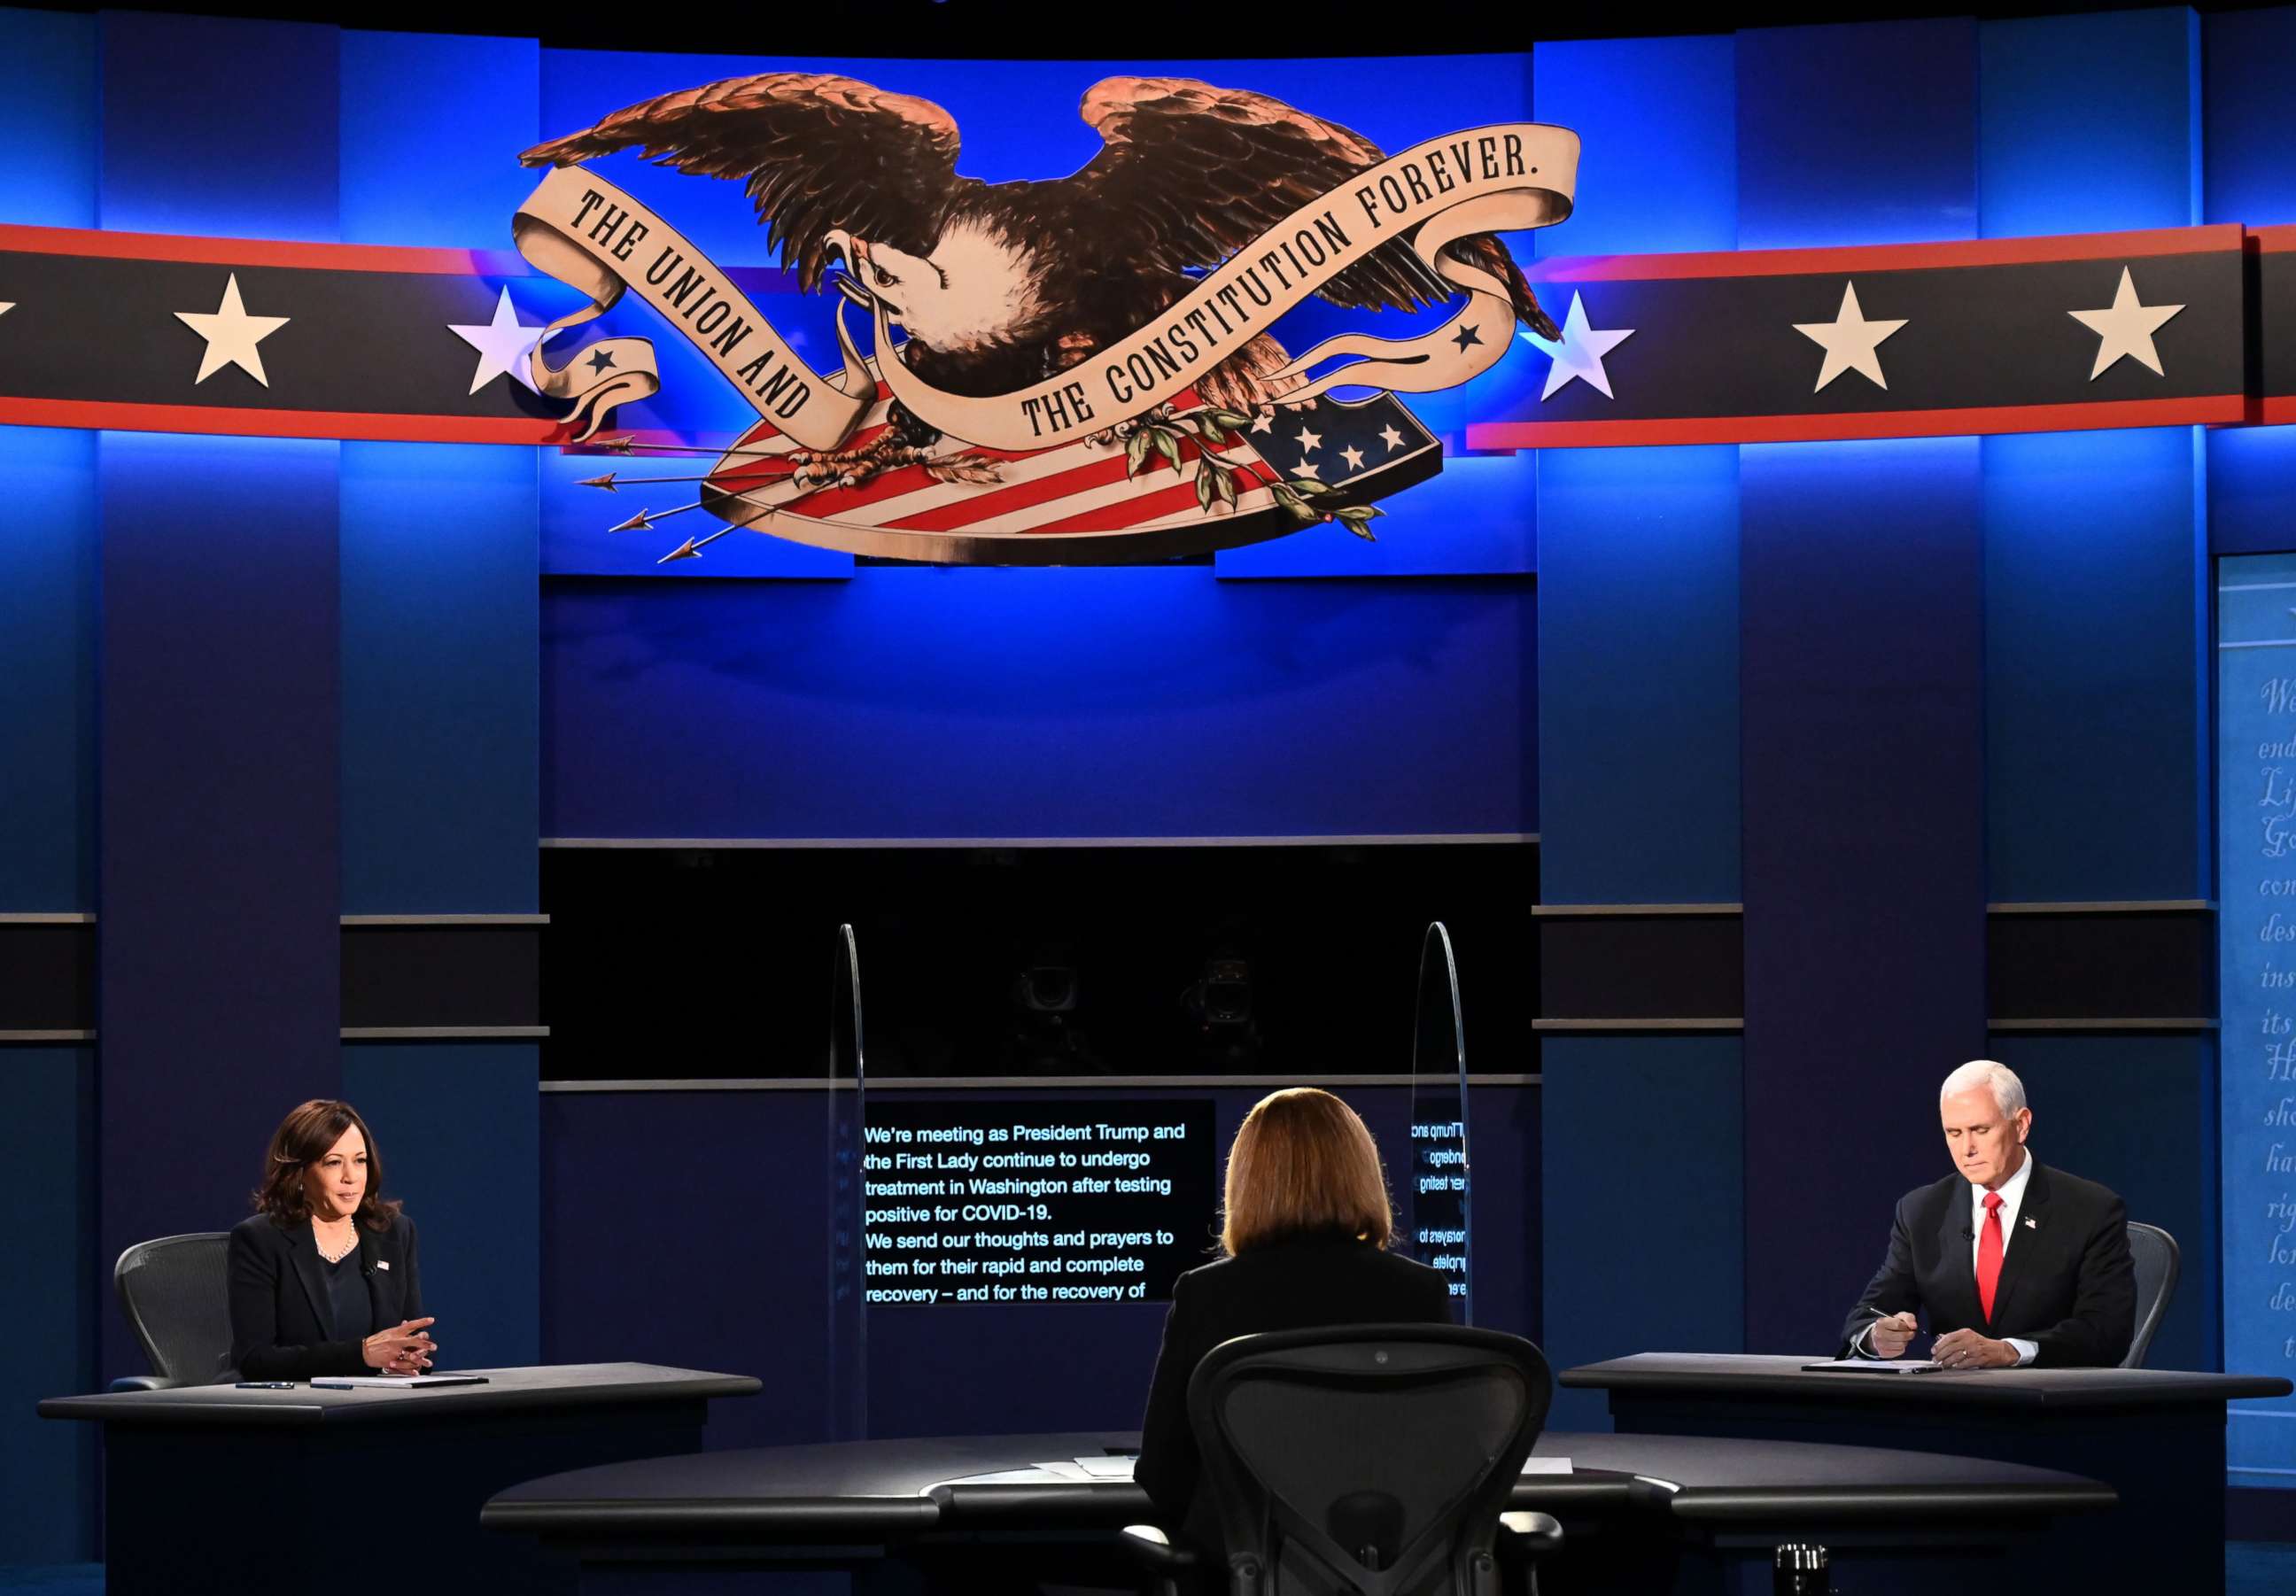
(1467, 335)
(600, 361)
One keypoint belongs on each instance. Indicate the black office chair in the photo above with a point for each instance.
(174, 1293)
(1368, 1461)
(2154, 1250)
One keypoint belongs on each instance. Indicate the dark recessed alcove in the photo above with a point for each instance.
(670, 964)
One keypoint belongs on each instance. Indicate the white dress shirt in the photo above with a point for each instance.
(2013, 1198)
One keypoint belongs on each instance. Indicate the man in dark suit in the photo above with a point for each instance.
(2015, 1262)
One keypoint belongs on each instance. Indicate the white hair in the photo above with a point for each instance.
(2008, 1090)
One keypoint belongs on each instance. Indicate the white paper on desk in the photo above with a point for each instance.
(1547, 1465)
(1062, 1469)
(1876, 1366)
(361, 1382)
(1106, 1468)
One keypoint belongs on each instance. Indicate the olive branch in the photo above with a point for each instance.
(1211, 429)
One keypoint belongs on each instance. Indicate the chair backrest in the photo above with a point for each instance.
(2153, 1251)
(174, 1295)
(1368, 1459)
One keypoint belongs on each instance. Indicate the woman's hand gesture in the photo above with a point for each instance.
(404, 1350)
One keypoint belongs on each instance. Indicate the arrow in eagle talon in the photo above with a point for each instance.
(640, 522)
(616, 446)
(606, 482)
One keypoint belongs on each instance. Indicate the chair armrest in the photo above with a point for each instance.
(1528, 1535)
(1153, 1547)
(143, 1382)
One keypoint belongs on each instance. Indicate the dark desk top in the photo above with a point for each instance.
(868, 1491)
(1752, 1375)
(506, 1390)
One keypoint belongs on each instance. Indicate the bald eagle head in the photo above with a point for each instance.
(977, 289)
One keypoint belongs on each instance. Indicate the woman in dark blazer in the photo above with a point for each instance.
(324, 1278)
(1306, 1233)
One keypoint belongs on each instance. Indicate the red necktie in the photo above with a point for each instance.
(1989, 1255)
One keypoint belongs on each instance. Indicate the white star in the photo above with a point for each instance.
(1354, 457)
(503, 345)
(2125, 327)
(1308, 468)
(1580, 353)
(1265, 422)
(1309, 442)
(1390, 437)
(232, 335)
(1849, 341)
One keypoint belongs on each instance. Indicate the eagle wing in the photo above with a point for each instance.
(1197, 172)
(815, 152)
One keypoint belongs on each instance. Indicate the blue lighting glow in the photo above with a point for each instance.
(448, 177)
(2251, 477)
(1857, 133)
(180, 157)
(1659, 119)
(2090, 124)
(48, 118)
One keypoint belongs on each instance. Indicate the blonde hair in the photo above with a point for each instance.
(1303, 1162)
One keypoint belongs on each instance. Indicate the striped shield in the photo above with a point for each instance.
(1081, 502)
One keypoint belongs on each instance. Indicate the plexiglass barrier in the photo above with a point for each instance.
(1436, 1206)
(847, 1363)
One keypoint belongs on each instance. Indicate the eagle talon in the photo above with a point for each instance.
(819, 469)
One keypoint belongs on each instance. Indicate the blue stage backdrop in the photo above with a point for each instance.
(1831, 697)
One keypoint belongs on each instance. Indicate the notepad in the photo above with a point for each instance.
(1547, 1465)
(363, 1382)
(1878, 1366)
(1106, 1468)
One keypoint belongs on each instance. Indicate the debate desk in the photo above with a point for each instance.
(1642, 1514)
(2156, 1435)
(209, 1488)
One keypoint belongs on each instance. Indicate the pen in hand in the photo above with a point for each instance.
(1902, 1326)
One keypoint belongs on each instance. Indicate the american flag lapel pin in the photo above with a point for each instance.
(2031, 1225)
(385, 1263)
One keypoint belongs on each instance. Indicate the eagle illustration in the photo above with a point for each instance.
(1000, 285)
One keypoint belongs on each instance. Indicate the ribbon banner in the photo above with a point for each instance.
(598, 240)
(591, 235)
(1501, 178)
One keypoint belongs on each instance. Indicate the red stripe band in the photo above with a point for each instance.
(2213, 409)
(1890, 257)
(281, 423)
(256, 251)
